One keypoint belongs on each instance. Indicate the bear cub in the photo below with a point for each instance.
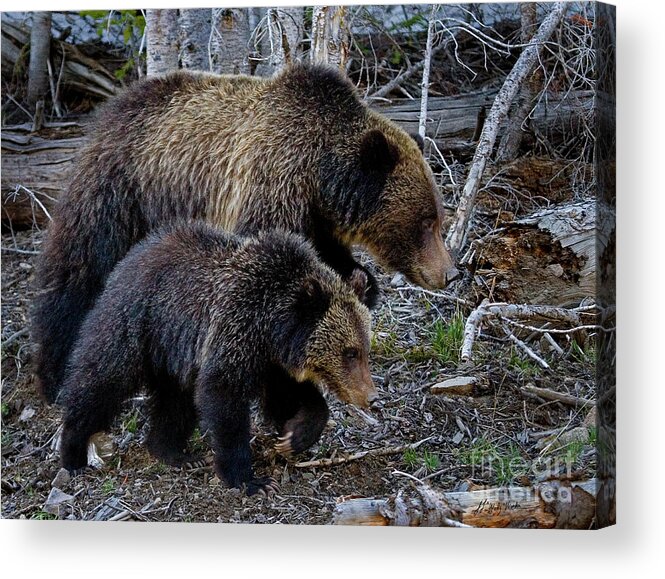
(208, 322)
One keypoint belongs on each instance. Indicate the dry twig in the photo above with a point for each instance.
(373, 452)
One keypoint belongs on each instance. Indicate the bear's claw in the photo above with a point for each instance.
(283, 447)
(266, 487)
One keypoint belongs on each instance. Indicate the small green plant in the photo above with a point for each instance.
(593, 435)
(109, 486)
(131, 423)
(409, 23)
(502, 464)
(417, 354)
(428, 460)
(323, 450)
(476, 452)
(157, 468)
(583, 354)
(384, 343)
(6, 439)
(573, 452)
(510, 465)
(198, 442)
(447, 339)
(43, 516)
(5, 409)
(523, 365)
(431, 461)
(410, 458)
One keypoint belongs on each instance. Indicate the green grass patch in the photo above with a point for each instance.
(447, 339)
(384, 343)
(501, 465)
(43, 516)
(109, 486)
(410, 458)
(442, 342)
(414, 460)
(584, 354)
(573, 451)
(198, 442)
(522, 365)
(431, 461)
(131, 422)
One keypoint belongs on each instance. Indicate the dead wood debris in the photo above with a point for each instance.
(552, 504)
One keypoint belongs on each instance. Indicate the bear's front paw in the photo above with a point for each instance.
(266, 486)
(77, 471)
(301, 432)
(284, 446)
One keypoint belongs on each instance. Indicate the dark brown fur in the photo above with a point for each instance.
(297, 152)
(207, 323)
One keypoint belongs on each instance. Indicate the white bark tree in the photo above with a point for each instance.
(424, 85)
(162, 41)
(277, 38)
(40, 46)
(229, 41)
(194, 38)
(330, 36)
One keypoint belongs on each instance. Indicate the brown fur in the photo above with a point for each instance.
(297, 152)
(207, 323)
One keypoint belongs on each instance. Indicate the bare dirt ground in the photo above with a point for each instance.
(499, 435)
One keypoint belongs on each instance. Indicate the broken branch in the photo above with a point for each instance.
(373, 452)
(548, 394)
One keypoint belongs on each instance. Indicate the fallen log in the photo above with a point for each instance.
(35, 170)
(452, 121)
(80, 73)
(548, 257)
(552, 504)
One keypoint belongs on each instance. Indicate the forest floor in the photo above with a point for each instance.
(498, 435)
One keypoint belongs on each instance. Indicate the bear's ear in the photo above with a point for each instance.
(419, 141)
(377, 155)
(293, 332)
(358, 281)
(312, 301)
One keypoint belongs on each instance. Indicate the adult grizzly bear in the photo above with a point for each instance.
(209, 322)
(298, 152)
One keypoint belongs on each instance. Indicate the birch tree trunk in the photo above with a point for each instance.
(40, 45)
(229, 40)
(194, 38)
(330, 36)
(524, 65)
(284, 38)
(292, 20)
(424, 86)
(162, 36)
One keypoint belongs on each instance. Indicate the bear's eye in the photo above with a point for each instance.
(351, 353)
